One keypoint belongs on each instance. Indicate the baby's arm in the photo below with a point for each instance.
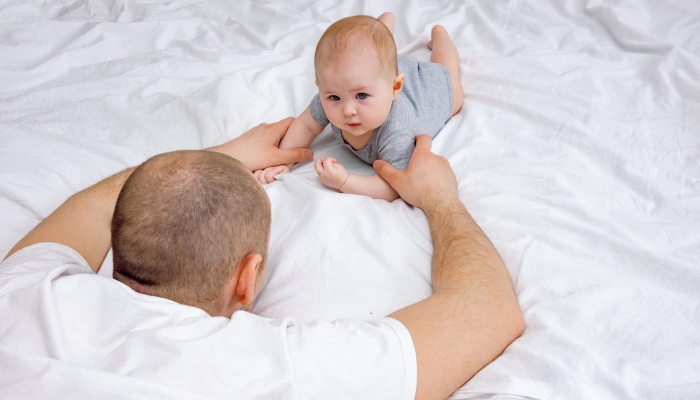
(334, 175)
(301, 133)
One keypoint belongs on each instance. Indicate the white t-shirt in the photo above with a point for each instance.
(66, 332)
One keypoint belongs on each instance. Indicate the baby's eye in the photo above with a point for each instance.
(334, 97)
(362, 96)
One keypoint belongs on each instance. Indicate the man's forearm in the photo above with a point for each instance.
(82, 222)
(469, 273)
(463, 257)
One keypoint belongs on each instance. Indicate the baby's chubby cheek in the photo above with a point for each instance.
(378, 114)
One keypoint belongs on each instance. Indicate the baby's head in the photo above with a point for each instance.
(357, 73)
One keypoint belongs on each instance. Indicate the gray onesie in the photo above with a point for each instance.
(424, 106)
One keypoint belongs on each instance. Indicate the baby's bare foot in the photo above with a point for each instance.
(437, 30)
(388, 20)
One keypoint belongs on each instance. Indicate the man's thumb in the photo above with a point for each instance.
(385, 170)
(290, 156)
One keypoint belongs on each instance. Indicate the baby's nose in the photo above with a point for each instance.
(349, 110)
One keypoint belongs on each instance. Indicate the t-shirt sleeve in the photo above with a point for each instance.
(397, 149)
(353, 359)
(31, 264)
(317, 112)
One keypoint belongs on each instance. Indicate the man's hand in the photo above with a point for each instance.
(259, 147)
(331, 173)
(427, 175)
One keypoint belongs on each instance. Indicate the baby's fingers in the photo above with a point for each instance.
(328, 162)
(318, 165)
(260, 176)
(272, 172)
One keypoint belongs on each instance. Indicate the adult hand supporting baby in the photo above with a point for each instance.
(259, 147)
(428, 175)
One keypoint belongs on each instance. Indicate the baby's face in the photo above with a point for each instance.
(356, 92)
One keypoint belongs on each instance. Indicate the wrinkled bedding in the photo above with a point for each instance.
(577, 151)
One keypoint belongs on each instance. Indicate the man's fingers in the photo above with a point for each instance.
(280, 127)
(423, 142)
(386, 170)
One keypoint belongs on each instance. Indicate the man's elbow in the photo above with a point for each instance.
(518, 325)
(515, 324)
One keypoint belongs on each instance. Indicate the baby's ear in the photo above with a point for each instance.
(398, 84)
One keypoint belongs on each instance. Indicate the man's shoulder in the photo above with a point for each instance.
(31, 263)
(44, 251)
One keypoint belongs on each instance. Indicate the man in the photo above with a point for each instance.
(68, 332)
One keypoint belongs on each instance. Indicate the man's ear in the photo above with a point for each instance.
(245, 288)
(398, 85)
(239, 290)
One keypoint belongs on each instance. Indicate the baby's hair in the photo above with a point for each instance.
(352, 31)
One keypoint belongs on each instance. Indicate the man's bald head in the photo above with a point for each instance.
(182, 224)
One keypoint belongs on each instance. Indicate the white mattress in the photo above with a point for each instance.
(577, 151)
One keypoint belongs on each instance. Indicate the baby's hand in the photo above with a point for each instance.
(331, 173)
(268, 174)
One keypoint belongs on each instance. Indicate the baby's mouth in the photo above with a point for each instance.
(353, 124)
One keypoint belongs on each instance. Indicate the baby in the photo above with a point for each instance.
(376, 102)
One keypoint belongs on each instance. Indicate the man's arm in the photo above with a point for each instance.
(473, 314)
(83, 221)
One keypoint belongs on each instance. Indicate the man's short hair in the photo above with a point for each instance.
(360, 30)
(182, 224)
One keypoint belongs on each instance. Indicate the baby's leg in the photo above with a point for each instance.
(387, 19)
(445, 53)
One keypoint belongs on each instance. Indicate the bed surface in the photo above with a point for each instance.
(577, 151)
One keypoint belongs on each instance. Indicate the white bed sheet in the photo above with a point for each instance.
(577, 151)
